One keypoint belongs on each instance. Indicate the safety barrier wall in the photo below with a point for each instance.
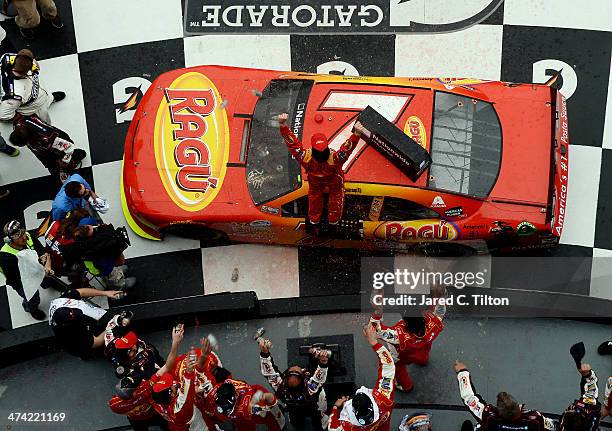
(35, 340)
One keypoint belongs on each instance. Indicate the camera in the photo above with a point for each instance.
(121, 233)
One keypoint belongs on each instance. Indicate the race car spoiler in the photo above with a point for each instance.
(561, 167)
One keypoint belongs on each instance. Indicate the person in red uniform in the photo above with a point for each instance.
(244, 405)
(506, 414)
(134, 393)
(369, 409)
(324, 169)
(174, 400)
(209, 372)
(410, 339)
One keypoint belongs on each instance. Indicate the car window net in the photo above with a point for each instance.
(271, 170)
(466, 145)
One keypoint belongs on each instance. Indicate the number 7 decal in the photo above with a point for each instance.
(390, 105)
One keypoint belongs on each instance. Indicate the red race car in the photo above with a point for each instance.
(204, 158)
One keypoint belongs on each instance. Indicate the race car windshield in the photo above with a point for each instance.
(271, 170)
(466, 145)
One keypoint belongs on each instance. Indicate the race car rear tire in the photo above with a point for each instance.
(444, 249)
(207, 236)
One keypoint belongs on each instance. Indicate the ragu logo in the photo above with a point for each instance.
(191, 142)
(422, 230)
(416, 130)
(191, 153)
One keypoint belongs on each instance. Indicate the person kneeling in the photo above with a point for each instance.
(76, 323)
(101, 248)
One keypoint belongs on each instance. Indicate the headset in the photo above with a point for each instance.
(11, 230)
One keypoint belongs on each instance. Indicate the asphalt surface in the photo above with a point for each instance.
(526, 357)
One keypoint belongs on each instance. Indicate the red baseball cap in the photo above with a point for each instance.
(164, 382)
(319, 142)
(128, 341)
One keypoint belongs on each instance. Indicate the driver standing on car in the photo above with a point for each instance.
(324, 169)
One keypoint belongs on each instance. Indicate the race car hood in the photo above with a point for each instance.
(178, 154)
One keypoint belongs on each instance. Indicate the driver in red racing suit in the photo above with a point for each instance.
(368, 410)
(208, 373)
(506, 415)
(324, 169)
(244, 405)
(410, 339)
(175, 400)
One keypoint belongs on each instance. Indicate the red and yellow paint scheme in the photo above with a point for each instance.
(203, 151)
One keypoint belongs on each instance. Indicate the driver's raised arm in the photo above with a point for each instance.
(293, 143)
(177, 336)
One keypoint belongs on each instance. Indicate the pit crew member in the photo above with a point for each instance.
(76, 323)
(410, 339)
(368, 409)
(131, 400)
(584, 414)
(244, 405)
(505, 414)
(416, 422)
(175, 400)
(126, 351)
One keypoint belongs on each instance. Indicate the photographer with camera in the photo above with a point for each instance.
(134, 391)
(77, 324)
(298, 389)
(101, 249)
(126, 351)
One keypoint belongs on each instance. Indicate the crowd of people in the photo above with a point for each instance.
(194, 391)
(73, 246)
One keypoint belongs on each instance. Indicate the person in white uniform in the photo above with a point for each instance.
(21, 88)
